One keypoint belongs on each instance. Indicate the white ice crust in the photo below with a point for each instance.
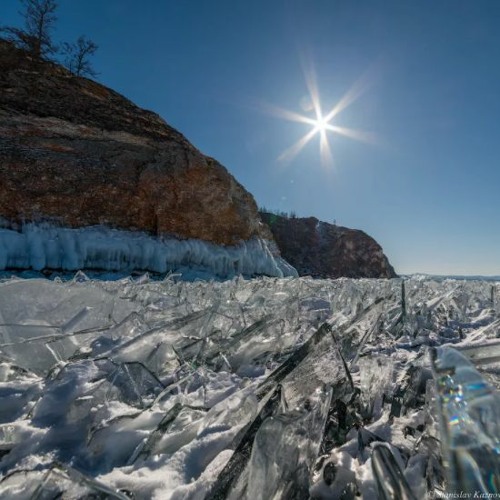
(42, 246)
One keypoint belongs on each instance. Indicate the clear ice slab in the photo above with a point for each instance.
(469, 409)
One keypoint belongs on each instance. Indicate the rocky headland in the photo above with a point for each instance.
(323, 250)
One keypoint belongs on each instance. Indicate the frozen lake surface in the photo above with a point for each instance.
(263, 388)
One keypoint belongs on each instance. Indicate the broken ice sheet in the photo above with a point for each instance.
(376, 374)
(486, 358)
(58, 481)
(39, 348)
(237, 409)
(19, 390)
(43, 323)
(96, 383)
(69, 307)
(11, 434)
(285, 449)
(209, 342)
(104, 451)
(177, 428)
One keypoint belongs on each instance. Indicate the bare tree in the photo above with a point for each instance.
(77, 56)
(39, 18)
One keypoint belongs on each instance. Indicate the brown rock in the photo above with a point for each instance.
(323, 250)
(78, 153)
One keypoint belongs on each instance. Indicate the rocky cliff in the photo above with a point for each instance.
(323, 250)
(78, 154)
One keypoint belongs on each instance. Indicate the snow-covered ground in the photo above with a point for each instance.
(264, 388)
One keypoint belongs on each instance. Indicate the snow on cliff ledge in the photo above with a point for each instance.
(42, 246)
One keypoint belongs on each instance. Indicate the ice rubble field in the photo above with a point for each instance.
(264, 388)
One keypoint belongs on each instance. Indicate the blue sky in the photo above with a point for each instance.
(427, 190)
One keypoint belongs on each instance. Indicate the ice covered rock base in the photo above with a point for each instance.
(43, 246)
(264, 388)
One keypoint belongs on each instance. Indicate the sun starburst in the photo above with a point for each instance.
(320, 122)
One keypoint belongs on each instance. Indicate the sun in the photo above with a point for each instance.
(321, 125)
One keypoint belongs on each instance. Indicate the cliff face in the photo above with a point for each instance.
(323, 250)
(77, 153)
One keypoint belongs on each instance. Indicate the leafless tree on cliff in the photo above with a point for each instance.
(77, 56)
(36, 37)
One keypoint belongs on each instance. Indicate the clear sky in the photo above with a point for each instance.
(426, 188)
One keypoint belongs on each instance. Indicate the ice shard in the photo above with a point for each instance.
(243, 443)
(470, 423)
(391, 481)
(284, 451)
(58, 481)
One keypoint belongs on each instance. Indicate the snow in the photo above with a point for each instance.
(256, 388)
(42, 246)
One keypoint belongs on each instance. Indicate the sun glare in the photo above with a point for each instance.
(321, 124)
